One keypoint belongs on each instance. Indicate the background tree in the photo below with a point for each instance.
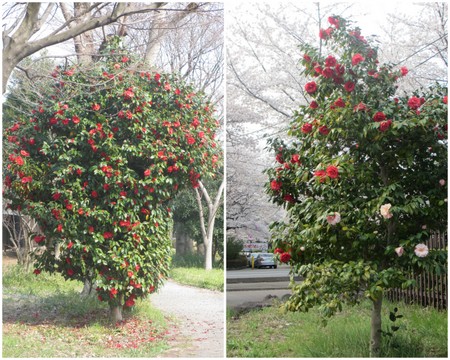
(96, 163)
(363, 177)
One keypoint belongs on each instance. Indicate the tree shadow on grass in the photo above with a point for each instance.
(67, 309)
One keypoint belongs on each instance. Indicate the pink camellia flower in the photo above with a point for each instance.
(445, 99)
(421, 250)
(414, 103)
(334, 219)
(356, 59)
(442, 182)
(399, 251)
(339, 103)
(95, 107)
(311, 87)
(385, 211)
(404, 70)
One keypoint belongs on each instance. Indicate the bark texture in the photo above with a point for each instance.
(375, 333)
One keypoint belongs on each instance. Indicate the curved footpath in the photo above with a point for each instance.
(199, 316)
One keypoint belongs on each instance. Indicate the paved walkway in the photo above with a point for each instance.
(200, 318)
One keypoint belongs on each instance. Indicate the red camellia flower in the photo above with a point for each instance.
(56, 196)
(404, 70)
(128, 94)
(94, 194)
(334, 21)
(379, 116)
(295, 159)
(285, 257)
(39, 238)
(125, 59)
(307, 128)
(75, 119)
(313, 105)
(356, 59)
(147, 173)
(24, 153)
(339, 103)
(325, 34)
(311, 87)
(324, 130)
(70, 272)
(445, 99)
(332, 171)
(330, 61)
(36, 271)
(19, 161)
(59, 228)
(278, 251)
(385, 125)
(95, 107)
(275, 185)
(107, 235)
(349, 86)
(360, 107)
(113, 292)
(321, 174)
(69, 245)
(414, 103)
(27, 179)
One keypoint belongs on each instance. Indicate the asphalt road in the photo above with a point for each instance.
(247, 287)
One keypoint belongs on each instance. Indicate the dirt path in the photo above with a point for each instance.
(200, 318)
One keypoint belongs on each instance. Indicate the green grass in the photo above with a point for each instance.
(49, 311)
(207, 279)
(270, 333)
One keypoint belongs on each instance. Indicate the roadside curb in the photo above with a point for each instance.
(259, 279)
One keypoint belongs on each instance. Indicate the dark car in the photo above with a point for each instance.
(265, 260)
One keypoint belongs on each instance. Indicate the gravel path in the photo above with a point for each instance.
(199, 315)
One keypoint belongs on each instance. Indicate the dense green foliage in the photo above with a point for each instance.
(96, 163)
(363, 177)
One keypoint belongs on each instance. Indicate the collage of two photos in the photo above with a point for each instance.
(224, 179)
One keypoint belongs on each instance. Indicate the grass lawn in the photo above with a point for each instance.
(270, 333)
(207, 279)
(49, 311)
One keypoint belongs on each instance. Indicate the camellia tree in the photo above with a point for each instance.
(96, 163)
(363, 177)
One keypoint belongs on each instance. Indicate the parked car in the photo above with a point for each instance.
(265, 260)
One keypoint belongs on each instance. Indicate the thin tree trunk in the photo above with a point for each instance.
(116, 310)
(375, 333)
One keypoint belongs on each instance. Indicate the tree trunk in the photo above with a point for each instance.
(116, 310)
(375, 333)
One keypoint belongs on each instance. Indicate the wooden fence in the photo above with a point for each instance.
(431, 289)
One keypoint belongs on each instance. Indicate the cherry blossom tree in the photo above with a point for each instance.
(362, 175)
